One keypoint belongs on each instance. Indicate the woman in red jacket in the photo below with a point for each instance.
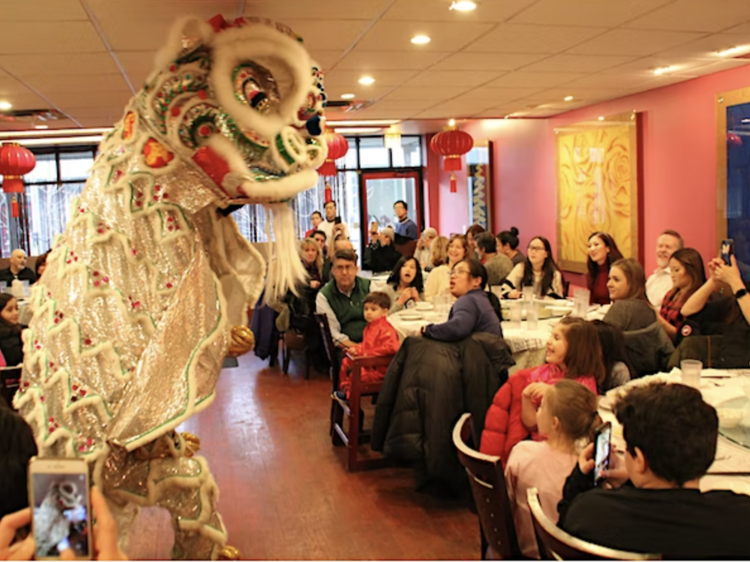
(573, 352)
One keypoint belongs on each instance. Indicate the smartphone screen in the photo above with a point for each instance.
(59, 494)
(602, 449)
(727, 249)
(337, 220)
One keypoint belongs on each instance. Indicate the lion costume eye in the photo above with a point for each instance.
(256, 86)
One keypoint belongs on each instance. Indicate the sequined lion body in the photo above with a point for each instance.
(133, 316)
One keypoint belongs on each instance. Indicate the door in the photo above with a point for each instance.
(382, 190)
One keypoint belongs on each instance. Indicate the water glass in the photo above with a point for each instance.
(532, 316)
(516, 314)
(581, 302)
(691, 372)
(528, 294)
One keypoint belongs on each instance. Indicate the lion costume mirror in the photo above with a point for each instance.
(136, 310)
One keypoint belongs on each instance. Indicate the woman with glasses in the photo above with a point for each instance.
(474, 311)
(539, 271)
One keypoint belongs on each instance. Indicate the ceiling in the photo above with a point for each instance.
(86, 58)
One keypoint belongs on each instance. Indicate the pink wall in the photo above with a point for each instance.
(679, 168)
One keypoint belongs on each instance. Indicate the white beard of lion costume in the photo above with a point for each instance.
(132, 317)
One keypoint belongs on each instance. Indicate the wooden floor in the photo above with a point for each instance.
(285, 492)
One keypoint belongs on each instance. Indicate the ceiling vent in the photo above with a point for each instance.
(346, 106)
(31, 115)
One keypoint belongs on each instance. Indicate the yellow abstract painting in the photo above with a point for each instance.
(597, 188)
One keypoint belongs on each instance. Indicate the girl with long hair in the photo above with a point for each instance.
(603, 252)
(688, 274)
(405, 285)
(539, 271)
(10, 331)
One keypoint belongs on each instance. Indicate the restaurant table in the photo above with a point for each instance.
(722, 389)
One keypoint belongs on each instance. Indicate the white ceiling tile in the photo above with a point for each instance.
(328, 35)
(10, 85)
(706, 47)
(425, 93)
(396, 35)
(578, 63)
(635, 42)
(135, 35)
(487, 61)
(431, 10)
(59, 65)
(499, 95)
(518, 38)
(24, 100)
(42, 10)
(149, 10)
(402, 105)
(374, 60)
(375, 113)
(742, 29)
(318, 10)
(524, 79)
(695, 15)
(326, 59)
(75, 83)
(97, 121)
(349, 78)
(69, 101)
(360, 92)
(610, 80)
(48, 37)
(580, 95)
(441, 78)
(595, 13)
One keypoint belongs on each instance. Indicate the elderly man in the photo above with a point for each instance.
(342, 300)
(660, 281)
(17, 269)
(497, 265)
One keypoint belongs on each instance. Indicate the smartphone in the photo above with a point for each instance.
(59, 496)
(337, 220)
(602, 451)
(727, 249)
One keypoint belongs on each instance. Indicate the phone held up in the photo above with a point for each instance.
(602, 451)
(727, 249)
(59, 497)
(337, 220)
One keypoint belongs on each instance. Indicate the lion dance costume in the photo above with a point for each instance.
(135, 313)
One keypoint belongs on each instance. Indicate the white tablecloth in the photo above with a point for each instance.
(730, 457)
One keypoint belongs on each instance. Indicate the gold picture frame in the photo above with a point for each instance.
(598, 169)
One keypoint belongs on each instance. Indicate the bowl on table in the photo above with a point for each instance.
(730, 417)
(410, 316)
(424, 306)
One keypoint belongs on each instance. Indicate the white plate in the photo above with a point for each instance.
(424, 306)
(410, 317)
(559, 310)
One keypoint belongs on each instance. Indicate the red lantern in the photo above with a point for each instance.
(452, 144)
(15, 213)
(15, 161)
(337, 148)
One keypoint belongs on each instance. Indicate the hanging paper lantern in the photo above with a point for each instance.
(452, 144)
(338, 146)
(14, 211)
(15, 161)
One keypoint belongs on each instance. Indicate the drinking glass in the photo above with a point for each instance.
(691, 372)
(516, 313)
(532, 316)
(528, 294)
(581, 302)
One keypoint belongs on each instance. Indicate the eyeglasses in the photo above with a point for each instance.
(537, 248)
(457, 272)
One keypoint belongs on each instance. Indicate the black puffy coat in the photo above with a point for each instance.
(11, 344)
(427, 388)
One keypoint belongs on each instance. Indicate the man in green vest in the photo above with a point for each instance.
(342, 300)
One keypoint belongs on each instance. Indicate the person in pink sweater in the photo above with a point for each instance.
(567, 418)
(573, 352)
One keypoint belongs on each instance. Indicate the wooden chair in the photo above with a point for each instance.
(10, 380)
(487, 482)
(556, 544)
(292, 340)
(351, 410)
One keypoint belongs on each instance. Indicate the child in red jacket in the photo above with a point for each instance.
(378, 340)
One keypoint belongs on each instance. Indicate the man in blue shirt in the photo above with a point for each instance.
(405, 227)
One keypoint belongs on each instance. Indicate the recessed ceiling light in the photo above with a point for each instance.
(663, 70)
(41, 126)
(601, 118)
(732, 51)
(568, 98)
(367, 80)
(4, 105)
(451, 122)
(420, 39)
(347, 96)
(463, 5)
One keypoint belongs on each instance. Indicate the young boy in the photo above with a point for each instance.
(378, 340)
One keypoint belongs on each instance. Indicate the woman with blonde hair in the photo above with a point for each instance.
(438, 281)
(312, 260)
(424, 247)
(568, 418)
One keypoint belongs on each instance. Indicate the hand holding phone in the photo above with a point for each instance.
(602, 451)
(727, 250)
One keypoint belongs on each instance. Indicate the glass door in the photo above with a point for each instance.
(382, 190)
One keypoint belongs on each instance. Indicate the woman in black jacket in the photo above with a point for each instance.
(10, 331)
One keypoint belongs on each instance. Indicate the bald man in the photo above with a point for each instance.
(17, 269)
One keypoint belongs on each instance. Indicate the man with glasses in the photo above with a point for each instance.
(342, 300)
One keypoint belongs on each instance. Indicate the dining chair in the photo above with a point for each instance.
(556, 544)
(487, 481)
